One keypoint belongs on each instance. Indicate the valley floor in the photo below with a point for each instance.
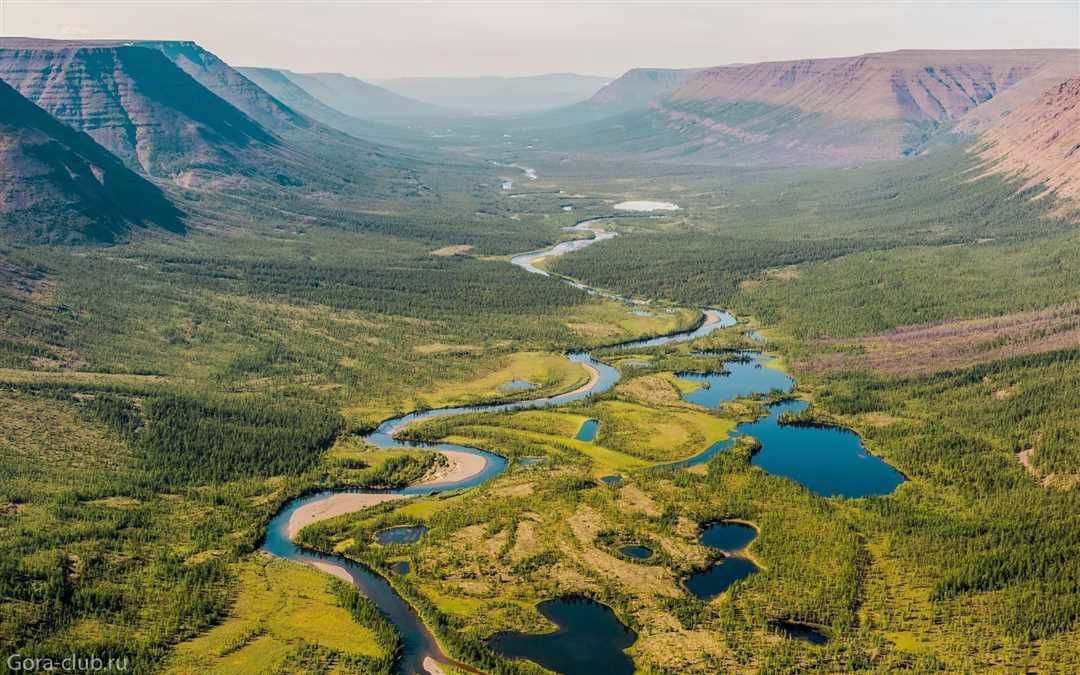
(160, 410)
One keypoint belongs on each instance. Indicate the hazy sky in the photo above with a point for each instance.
(392, 39)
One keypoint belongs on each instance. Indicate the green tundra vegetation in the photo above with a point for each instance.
(160, 399)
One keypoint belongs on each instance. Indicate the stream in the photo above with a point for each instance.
(420, 650)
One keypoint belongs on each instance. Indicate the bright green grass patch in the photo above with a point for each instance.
(604, 461)
(611, 322)
(684, 386)
(549, 372)
(657, 434)
(281, 606)
(548, 422)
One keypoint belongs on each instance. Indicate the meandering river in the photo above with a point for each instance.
(421, 652)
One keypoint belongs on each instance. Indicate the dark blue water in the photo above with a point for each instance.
(401, 568)
(588, 430)
(800, 631)
(589, 640)
(744, 378)
(710, 583)
(405, 534)
(727, 536)
(639, 552)
(829, 461)
(613, 479)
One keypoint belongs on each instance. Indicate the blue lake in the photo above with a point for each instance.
(743, 378)
(713, 581)
(589, 640)
(727, 536)
(588, 430)
(829, 461)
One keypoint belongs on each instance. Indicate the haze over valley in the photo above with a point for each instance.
(566, 338)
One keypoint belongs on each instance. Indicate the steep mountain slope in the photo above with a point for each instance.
(364, 100)
(58, 185)
(278, 84)
(637, 87)
(137, 104)
(916, 85)
(825, 111)
(498, 95)
(1041, 140)
(228, 83)
(633, 90)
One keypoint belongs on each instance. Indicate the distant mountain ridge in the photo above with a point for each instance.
(817, 111)
(907, 84)
(282, 87)
(58, 186)
(638, 86)
(498, 95)
(364, 100)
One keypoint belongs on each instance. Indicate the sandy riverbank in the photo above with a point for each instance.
(594, 376)
(460, 466)
(335, 505)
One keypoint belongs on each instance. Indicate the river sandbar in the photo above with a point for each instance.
(335, 505)
(461, 466)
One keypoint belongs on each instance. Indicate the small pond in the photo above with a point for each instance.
(709, 583)
(590, 639)
(637, 552)
(800, 631)
(517, 385)
(530, 461)
(401, 568)
(727, 536)
(613, 479)
(404, 534)
(588, 430)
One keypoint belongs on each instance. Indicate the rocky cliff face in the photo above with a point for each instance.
(832, 111)
(58, 185)
(136, 103)
(229, 84)
(913, 85)
(1040, 141)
